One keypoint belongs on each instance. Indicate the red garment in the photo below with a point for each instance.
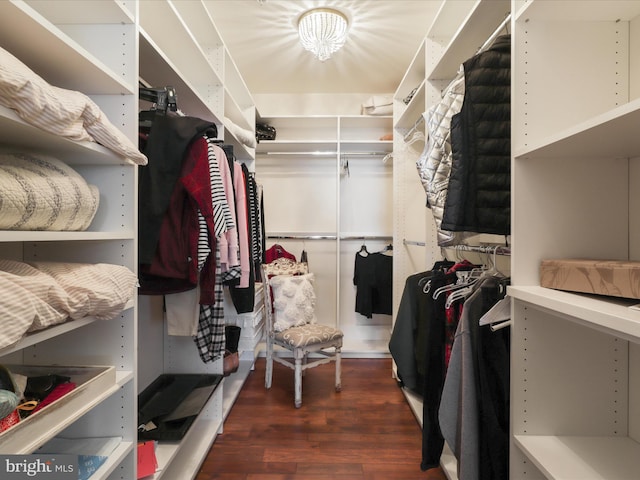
(58, 392)
(277, 251)
(176, 257)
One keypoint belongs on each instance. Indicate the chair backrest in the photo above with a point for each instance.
(280, 266)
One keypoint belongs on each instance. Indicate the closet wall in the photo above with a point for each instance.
(89, 47)
(327, 191)
(575, 358)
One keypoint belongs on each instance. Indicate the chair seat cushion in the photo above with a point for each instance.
(310, 334)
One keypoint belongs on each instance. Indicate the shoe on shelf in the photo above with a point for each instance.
(230, 363)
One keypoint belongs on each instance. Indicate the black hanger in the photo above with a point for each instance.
(163, 99)
(363, 250)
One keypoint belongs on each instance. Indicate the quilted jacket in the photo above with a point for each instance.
(479, 195)
(434, 164)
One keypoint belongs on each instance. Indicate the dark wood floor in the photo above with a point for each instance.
(365, 432)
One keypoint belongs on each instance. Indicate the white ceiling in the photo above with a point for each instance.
(261, 36)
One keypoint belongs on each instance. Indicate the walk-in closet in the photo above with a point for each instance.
(450, 186)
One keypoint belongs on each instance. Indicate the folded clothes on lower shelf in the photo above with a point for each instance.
(49, 396)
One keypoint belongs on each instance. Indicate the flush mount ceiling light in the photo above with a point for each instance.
(322, 31)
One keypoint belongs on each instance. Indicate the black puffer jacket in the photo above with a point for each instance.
(479, 193)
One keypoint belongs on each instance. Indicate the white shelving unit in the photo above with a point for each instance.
(88, 47)
(195, 61)
(575, 358)
(102, 48)
(180, 46)
(458, 31)
(409, 200)
(306, 185)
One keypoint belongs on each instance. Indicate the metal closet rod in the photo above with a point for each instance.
(326, 153)
(499, 250)
(330, 237)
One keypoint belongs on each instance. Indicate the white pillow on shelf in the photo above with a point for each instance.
(294, 301)
(66, 113)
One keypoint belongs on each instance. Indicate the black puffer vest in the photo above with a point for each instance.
(479, 193)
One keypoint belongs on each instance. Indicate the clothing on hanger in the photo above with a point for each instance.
(479, 189)
(474, 407)
(277, 251)
(373, 279)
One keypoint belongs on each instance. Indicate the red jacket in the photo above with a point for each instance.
(174, 267)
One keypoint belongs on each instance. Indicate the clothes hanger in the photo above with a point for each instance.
(363, 250)
(460, 294)
(415, 137)
(465, 279)
(163, 100)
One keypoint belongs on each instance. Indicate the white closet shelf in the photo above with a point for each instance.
(238, 114)
(158, 70)
(116, 457)
(413, 110)
(15, 133)
(97, 11)
(613, 134)
(181, 47)
(414, 76)
(565, 10)
(64, 55)
(449, 19)
(41, 335)
(236, 85)
(586, 458)
(233, 384)
(194, 445)
(607, 314)
(197, 22)
(42, 236)
(300, 147)
(364, 147)
(364, 121)
(479, 25)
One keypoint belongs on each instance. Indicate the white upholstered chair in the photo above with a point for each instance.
(283, 280)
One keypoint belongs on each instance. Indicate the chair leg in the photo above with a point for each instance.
(268, 374)
(299, 356)
(338, 369)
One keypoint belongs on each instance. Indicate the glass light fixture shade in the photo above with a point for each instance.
(323, 31)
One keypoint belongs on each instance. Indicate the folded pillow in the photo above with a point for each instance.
(246, 137)
(294, 301)
(49, 303)
(62, 112)
(101, 290)
(20, 309)
(38, 192)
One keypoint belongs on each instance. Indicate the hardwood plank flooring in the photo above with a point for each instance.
(365, 432)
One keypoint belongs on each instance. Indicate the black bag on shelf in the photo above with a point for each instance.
(168, 407)
(265, 132)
